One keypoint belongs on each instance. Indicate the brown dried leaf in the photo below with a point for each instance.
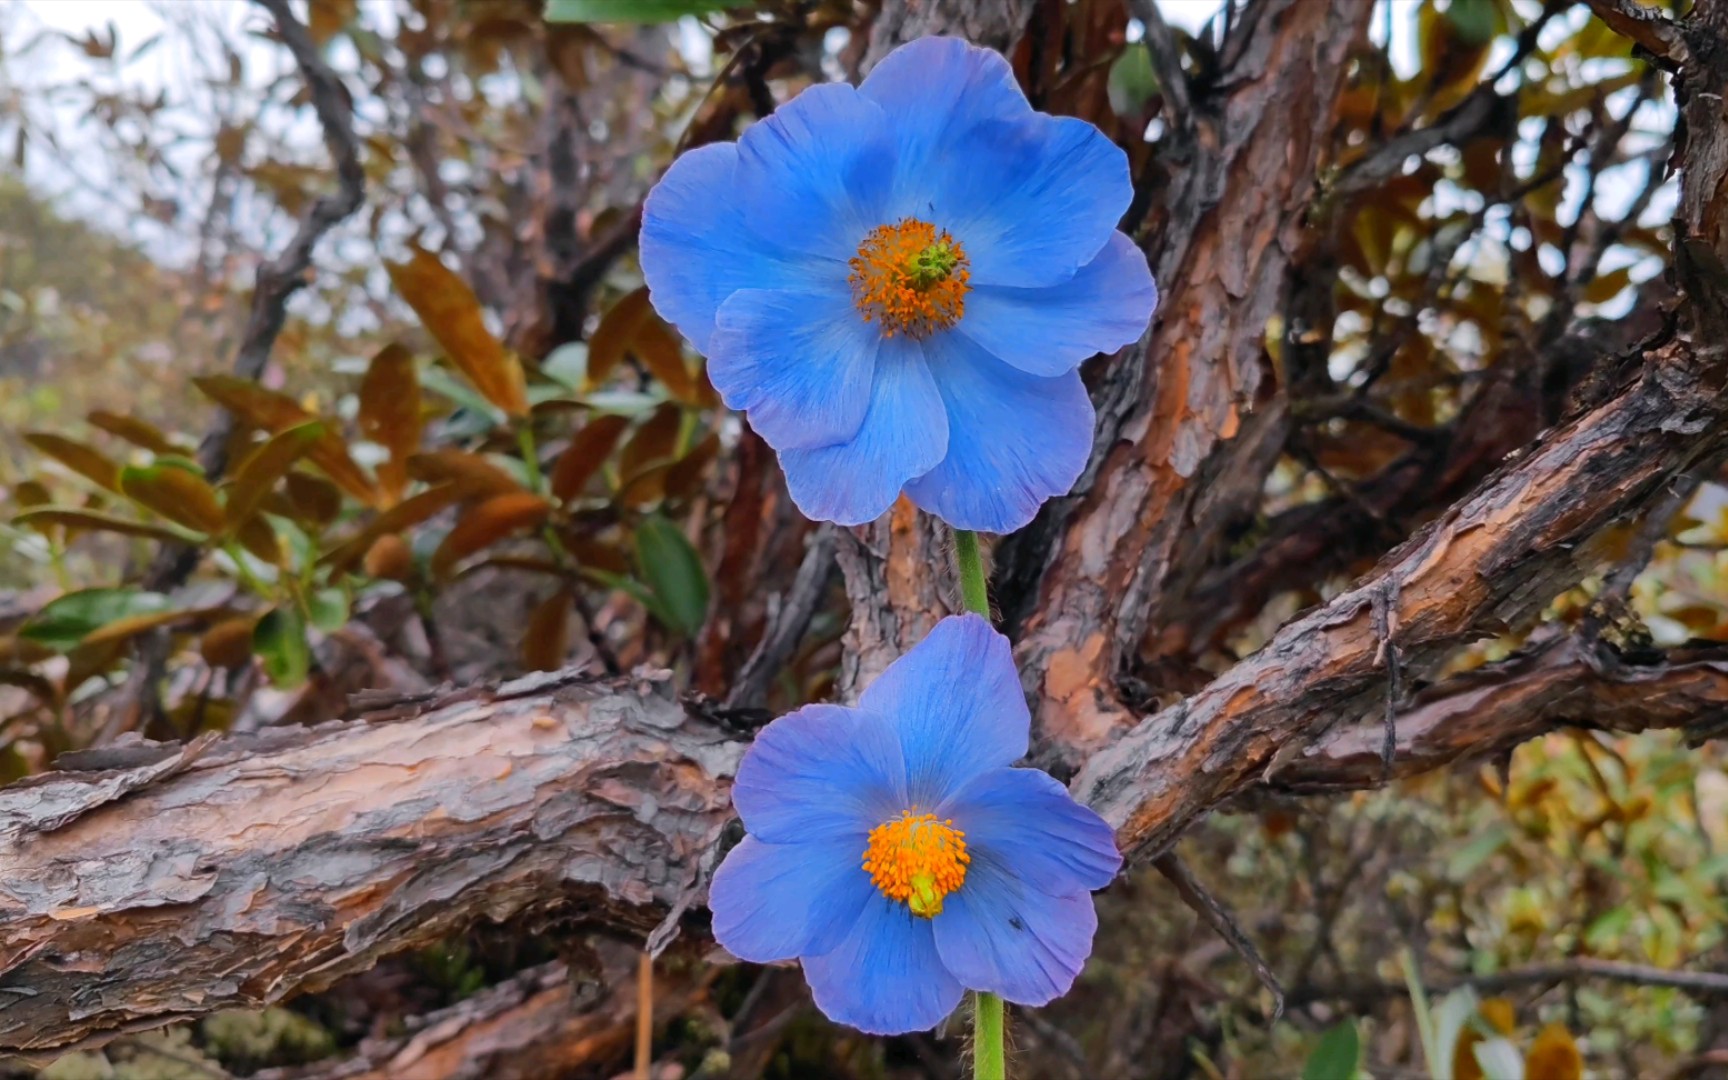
(479, 475)
(659, 349)
(257, 536)
(484, 524)
(96, 521)
(135, 431)
(258, 474)
(326, 17)
(178, 494)
(655, 441)
(546, 639)
(587, 451)
(613, 336)
(449, 309)
(275, 413)
(685, 479)
(390, 413)
(646, 487)
(311, 499)
(390, 558)
(410, 511)
(81, 458)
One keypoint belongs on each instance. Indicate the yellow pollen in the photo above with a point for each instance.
(911, 278)
(917, 860)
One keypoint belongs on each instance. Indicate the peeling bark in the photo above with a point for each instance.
(1179, 450)
(237, 872)
(1491, 562)
(1562, 683)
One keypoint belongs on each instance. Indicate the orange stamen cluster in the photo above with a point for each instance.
(917, 860)
(911, 278)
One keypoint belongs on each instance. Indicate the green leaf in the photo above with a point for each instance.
(673, 573)
(1132, 81)
(1465, 861)
(1337, 1056)
(329, 609)
(280, 640)
(1476, 22)
(67, 621)
(638, 11)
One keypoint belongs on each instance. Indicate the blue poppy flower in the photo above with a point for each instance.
(893, 849)
(898, 283)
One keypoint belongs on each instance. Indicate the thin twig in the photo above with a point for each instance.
(644, 1015)
(283, 276)
(1705, 984)
(1219, 918)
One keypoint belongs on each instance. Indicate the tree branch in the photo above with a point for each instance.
(1561, 681)
(1647, 28)
(159, 882)
(285, 274)
(1493, 560)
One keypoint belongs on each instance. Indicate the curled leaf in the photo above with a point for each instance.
(449, 309)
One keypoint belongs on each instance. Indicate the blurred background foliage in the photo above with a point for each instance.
(477, 451)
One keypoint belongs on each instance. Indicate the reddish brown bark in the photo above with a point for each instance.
(1186, 446)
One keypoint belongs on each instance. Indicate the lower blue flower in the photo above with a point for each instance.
(894, 849)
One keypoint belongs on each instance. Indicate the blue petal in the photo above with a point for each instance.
(1014, 439)
(815, 176)
(904, 434)
(885, 978)
(1031, 200)
(800, 363)
(696, 250)
(777, 901)
(821, 773)
(997, 934)
(1023, 817)
(1049, 331)
(932, 90)
(955, 700)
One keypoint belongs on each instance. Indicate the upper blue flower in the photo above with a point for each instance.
(898, 282)
(894, 850)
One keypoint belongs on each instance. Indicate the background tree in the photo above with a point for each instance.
(1384, 624)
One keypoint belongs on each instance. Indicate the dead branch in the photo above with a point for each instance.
(547, 1021)
(233, 873)
(285, 274)
(1562, 682)
(1492, 561)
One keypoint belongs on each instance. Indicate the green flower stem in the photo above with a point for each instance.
(987, 1062)
(987, 1059)
(530, 456)
(973, 582)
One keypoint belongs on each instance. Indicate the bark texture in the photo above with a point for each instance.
(237, 872)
